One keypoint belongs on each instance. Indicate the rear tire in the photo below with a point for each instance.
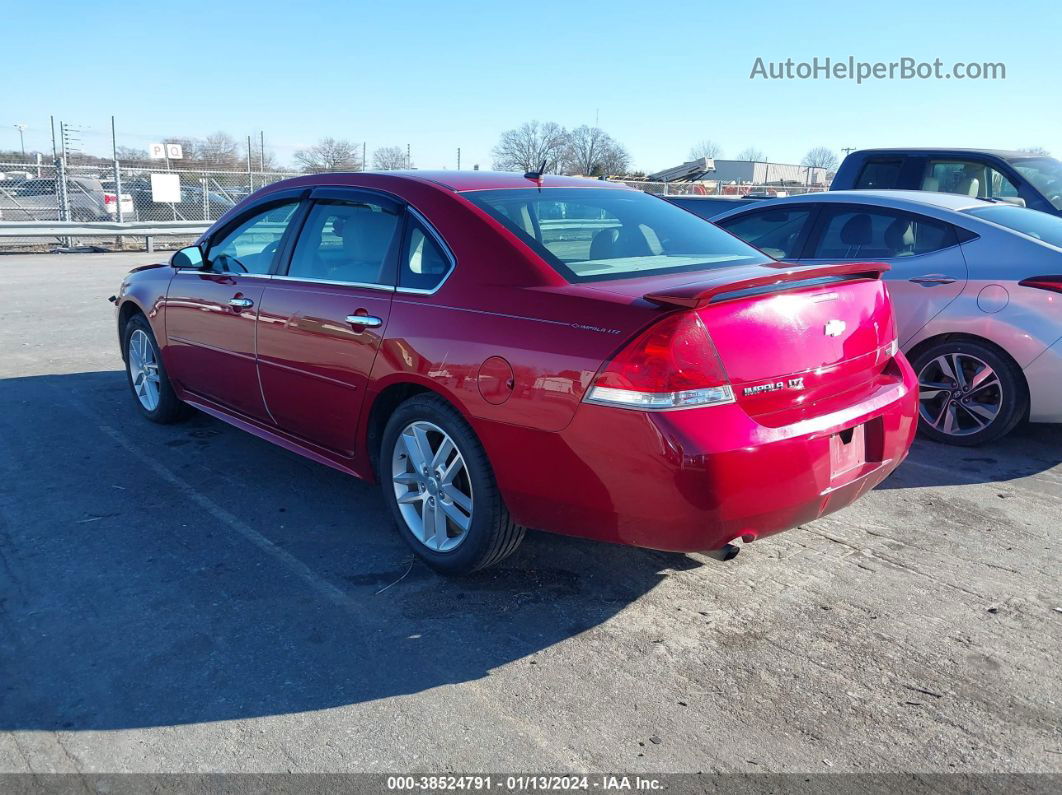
(970, 393)
(152, 392)
(440, 487)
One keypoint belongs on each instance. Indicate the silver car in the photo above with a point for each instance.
(976, 286)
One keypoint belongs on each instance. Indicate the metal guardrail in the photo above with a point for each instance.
(148, 230)
(102, 228)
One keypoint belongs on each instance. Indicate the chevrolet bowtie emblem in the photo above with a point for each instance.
(834, 328)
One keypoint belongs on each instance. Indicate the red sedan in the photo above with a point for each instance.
(503, 351)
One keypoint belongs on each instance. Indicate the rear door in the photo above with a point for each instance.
(323, 316)
(211, 313)
(927, 270)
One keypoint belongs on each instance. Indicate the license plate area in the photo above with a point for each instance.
(848, 451)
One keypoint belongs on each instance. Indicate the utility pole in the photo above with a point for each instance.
(364, 162)
(250, 176)
(21, 141)
(459, 158)
(117, 177)
(261, 141)
(409, 159)
(848, 150)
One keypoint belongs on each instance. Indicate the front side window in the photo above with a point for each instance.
(1044, 174)
(774, 231)
(967, 178)
(251, 246)
(880, 174)
(870, 233)
(346, 241)
(424, 265)
(592, 234)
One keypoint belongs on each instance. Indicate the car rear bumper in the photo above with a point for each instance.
(1044, 377)
(694, 480)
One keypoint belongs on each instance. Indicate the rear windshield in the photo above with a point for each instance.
(593, 234)
(1042, 226)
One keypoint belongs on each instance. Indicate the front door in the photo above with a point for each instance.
(927, 270)
(323, 318)
(211, 312)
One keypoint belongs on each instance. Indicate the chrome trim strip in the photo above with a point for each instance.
(237, 274)
(310, 280)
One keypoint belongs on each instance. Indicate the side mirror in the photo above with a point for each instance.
(189, 257)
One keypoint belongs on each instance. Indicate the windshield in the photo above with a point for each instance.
(1033, 223)
(592, 234)
(1044, 174)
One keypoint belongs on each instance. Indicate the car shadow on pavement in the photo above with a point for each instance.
(1028, 450)
(164, 575)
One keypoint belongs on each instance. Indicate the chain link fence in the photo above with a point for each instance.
(40, 191)
(117, 192)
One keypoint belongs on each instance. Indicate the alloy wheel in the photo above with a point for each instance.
(959, 394)
(432, 486)
(144, 369)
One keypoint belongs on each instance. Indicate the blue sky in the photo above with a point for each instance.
(660, 75)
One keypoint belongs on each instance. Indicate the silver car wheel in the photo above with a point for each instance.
(143, 369)
(959, 394)
(432, 486)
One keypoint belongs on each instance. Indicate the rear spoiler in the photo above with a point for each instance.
(733, 280)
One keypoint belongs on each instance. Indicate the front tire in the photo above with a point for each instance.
(970, 393)
(440, 488)
(152, 392)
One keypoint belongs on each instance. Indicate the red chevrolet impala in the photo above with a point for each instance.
(503, 351)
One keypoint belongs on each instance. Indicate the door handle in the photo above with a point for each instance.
(932, 279)
(365, 321)
(241, 303)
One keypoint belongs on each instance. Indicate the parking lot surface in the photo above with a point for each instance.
(191, 598)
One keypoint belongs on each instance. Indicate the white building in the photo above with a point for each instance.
(750, 172)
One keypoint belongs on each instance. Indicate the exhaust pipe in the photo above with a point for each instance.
(726, 552)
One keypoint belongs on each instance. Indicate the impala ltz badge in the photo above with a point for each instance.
(775, 386)
(834, 328)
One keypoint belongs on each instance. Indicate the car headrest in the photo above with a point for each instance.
(856, 230)
(899, 235)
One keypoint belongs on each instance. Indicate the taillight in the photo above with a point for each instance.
(109, 198)
(1053, 283)
(672, 364)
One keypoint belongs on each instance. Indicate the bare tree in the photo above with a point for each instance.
(389, 158)
(820, 157)
(329, 154)
(1039, 151)
(219, 149)
(751, 153)
(529, 145)
(130, 154)
(594, 153)
(706, 148)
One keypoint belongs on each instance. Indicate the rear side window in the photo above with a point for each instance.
(778, 232)
(863, 233)
(880, 174)
(591, 234)
(424, 264)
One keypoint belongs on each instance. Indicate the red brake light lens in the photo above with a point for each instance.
(672, 364)
(1053, 283)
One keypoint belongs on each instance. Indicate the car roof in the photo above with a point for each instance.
(892, 198)
(497, 180)
(919, 150)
